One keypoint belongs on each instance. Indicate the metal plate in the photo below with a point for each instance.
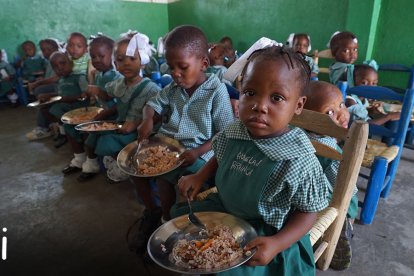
(88, 127)
(126, 156)
(243, 232)
(80, 115)
(51, 100)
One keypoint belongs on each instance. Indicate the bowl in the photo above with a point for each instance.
(98, 126)
(127, 155)
(162, 241)
(80, 115)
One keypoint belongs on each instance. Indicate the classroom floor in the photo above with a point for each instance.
(57, 226)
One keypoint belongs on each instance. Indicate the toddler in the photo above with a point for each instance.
(359, 107)
(131, 92)
(195, 106)
(7, 76)
(344, 48)
(266, 172)
(33, 65)
(70, 88)
(301, 43)
(230, 54)
(101, 50)
(46, 85)
(326, 98)
(77, 48)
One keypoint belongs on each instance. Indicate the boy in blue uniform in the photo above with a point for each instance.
(197, 106)
(265, 171)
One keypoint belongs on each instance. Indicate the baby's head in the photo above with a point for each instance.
(48, 46)
(61, 64)
(186, 51)
(100, 50)
(365, 75)
(301, 43)
(216, 54)
(77, 45)
(273, 84)
(344, 47)
(29, 48)
(128, 66)
(326, 98)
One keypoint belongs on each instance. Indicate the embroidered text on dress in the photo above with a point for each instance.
(245, 164)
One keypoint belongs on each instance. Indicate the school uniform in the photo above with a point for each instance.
(271, 177)
(6, 86)
(359, 110)
(330, 168)
(313, 66)
(101, 79)
(193, 120)
(32, 65)
(129, 102)
(339, 71)
(80, 65)
(72, 85)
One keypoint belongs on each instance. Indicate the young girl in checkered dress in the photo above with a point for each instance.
(270, 166)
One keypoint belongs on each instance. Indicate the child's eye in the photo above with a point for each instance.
(249, 93)
(346, 51)
(277, 98)
(341, 105)
(356, 50)
(330, 112)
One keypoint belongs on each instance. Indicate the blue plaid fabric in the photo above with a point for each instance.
(194, 120)
(297, 181)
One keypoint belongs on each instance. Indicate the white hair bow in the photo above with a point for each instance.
(140, 42)
(237, 67)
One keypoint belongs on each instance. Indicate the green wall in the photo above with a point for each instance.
(22, 20)
(246, 21)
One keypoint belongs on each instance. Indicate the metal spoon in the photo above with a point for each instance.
(192, 217)
(143, 142)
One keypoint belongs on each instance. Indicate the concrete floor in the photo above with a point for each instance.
(57, 226)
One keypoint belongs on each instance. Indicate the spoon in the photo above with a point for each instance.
(143, 142)
(192, 217)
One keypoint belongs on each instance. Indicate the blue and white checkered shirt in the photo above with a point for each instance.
(297, 181)
(194, 120)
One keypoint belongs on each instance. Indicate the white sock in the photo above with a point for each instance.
(78, 160)
(91, 165)
(12, 97)
(62, 130)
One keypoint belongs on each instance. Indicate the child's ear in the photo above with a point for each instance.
(300, 104)
(206, 63)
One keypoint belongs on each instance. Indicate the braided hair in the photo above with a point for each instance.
(294, 61)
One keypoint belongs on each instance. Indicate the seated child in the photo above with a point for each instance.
(344, 48)
(301, 43)
(70, 87)
(256, 164)
(359, 107)
(131, 92)
(7, 76)
(216, 56)
(230, 55)
(33, 65)
(101, 50)
(46, 85)
(78, 50)
(326, 98)
(197, 106)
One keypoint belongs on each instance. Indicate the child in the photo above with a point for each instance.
(301, 43)
(216, 56)
(101, 50)
(197, 106)
(70, 87)
(344, 48)
(326, 98)
(78, 50)
(230, 55)
(266, 172)
(7, 75)
(359, 107)
(131, 92)
(33, 65)
(46, 85)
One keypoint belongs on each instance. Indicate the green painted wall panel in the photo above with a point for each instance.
(246, 21)
(37, 19)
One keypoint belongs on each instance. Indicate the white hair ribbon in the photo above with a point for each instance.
(237, 67)
(329, 42)
(140, 42)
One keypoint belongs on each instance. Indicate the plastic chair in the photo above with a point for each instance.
(325, 54)
(328, 226)
(380, 158)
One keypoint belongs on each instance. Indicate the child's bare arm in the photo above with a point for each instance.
(392, 116)
(145, 127)
(190, 156)
(298, 224)
(193, 182)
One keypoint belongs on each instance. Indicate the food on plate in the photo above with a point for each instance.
(219, 250)
(101, 126)
(156, 159)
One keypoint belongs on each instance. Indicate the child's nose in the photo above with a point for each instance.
(260, 107)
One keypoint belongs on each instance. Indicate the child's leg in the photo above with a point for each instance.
(167, 197)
